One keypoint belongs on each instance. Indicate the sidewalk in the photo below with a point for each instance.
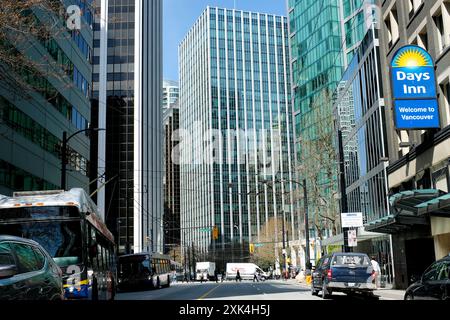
(384, 293)
(390, 294)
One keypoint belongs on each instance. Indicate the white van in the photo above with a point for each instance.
(205, 270)
(246, 270)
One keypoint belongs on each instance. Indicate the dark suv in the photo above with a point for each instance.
(343, 272)
(434, 283)
(27, 272)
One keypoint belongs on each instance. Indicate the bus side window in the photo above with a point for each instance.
(99, 257)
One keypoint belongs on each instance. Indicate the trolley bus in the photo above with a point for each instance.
(143, 270)
(67, 225)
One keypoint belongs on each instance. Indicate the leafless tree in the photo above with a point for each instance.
(319, 167)
(270, 232)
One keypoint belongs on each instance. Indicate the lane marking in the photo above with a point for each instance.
(209, 292)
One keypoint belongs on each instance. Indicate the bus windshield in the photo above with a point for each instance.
(134, 265)
(61, 239)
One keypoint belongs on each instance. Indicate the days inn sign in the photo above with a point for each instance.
(414, 89)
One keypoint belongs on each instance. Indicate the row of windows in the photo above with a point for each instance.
(80, 81)
(17, 179)
(33, 131)
(69, 68)
(82, 44)
(101, 253)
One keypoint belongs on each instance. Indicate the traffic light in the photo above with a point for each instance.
(215, 233)
(251, 248)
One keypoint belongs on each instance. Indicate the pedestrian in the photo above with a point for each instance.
(216, 275)
(255, 276)
(223, 276)
(185, 277)
(238, 276)
(376, 270)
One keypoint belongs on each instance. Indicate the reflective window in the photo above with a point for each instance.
(6, 257)
(26, 259)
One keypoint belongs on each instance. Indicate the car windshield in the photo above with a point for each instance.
(62, 240)
(353, 260)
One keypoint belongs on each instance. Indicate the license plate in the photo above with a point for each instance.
(351, 284)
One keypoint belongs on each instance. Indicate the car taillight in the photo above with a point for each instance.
(329, 274)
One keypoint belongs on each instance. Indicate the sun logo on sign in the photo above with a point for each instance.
(412, 58)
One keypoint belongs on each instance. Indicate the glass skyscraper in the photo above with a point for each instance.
(324, 35)
(235, 110)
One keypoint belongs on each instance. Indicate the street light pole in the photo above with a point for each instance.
(65, 140)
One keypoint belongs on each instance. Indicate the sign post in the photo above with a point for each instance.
(352, 239)
(350, 221)
(414, 89)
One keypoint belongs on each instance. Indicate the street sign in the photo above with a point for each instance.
(205, 229)
(352, 239)
(259, 245)
(414, 89)
(352, 220)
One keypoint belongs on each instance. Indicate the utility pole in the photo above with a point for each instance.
(305, 203)
(344, 204)
(64, 160)
(284, 247)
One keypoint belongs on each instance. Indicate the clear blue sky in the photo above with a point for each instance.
(180, 15)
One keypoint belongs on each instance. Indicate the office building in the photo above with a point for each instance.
(37, 105)
(236, 154)
(359, 110)
(171, 93)
(324, 36)
(171, 180)
(127, 90)
(418, 171)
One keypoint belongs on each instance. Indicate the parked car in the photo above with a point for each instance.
(434, 283)
(343, 272)
(27, 272)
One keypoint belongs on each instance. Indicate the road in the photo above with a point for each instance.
(229, 290)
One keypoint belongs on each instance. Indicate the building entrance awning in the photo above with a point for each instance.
(363, 235)
(439, 206)
(406, 211)
(406, 202)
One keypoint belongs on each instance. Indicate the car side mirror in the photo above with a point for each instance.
(7, 271)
